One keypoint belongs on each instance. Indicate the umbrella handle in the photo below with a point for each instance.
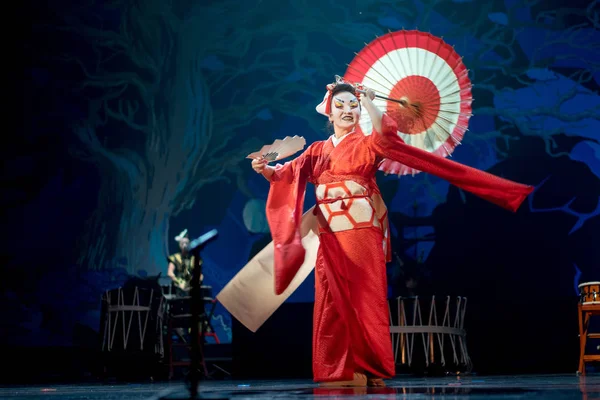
(415, 108)
(400, 101)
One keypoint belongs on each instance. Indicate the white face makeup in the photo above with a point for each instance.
(345, 112)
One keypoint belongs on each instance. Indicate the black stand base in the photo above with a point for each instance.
(198, 310)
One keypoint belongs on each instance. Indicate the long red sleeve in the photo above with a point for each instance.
(502, 192)
(284, 215)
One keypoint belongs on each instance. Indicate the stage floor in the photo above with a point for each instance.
(547, 387)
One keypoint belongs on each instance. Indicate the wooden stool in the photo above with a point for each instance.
(586, 311)
(183, 320)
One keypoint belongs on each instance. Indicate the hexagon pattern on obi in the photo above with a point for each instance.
(345, 205)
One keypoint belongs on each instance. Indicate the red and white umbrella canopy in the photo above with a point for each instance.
(422, 83)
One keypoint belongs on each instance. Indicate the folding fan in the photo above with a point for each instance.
(279, 149)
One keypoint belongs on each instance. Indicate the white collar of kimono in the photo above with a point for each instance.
(336, 140)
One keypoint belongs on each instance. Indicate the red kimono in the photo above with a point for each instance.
(351, 317)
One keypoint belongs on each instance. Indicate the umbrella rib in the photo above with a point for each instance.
(449, 134)
(369, 68)
(450, 83)
(456, 102)
(457, 91)
(443, 144)
(438, 115)
(435, 132)
(441, 127)
(435, 58)
(430, 139)
(377, 82)
(368, 48)
(417, 70)
(439, 69)
(385, 66)
(425, 110)
(406, 47)
(451, 112)
(378, 91)
(398, 73)
(400, 58)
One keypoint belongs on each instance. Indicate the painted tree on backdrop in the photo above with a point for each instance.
(149, 83)
(152, 128)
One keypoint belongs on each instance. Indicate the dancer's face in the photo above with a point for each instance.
(183, 244)
(345, 111)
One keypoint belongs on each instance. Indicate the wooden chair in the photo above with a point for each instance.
(588, 307)
(586, 311)
(417, 318)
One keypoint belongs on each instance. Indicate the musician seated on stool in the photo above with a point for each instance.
(181, 265)
(180, 270)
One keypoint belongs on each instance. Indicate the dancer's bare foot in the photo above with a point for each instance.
(375, 382)
(358, 381)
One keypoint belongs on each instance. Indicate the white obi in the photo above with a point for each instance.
(345, 205)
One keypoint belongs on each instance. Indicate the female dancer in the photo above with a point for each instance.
(351, 338)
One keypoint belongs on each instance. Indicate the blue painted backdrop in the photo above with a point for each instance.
(139, 115)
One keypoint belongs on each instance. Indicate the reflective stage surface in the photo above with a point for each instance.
(548, 387)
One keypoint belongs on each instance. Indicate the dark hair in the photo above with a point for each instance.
(342, 87)
(339, 88)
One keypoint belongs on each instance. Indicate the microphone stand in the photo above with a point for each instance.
(197, 308)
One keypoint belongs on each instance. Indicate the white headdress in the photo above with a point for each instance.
(182, 235)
